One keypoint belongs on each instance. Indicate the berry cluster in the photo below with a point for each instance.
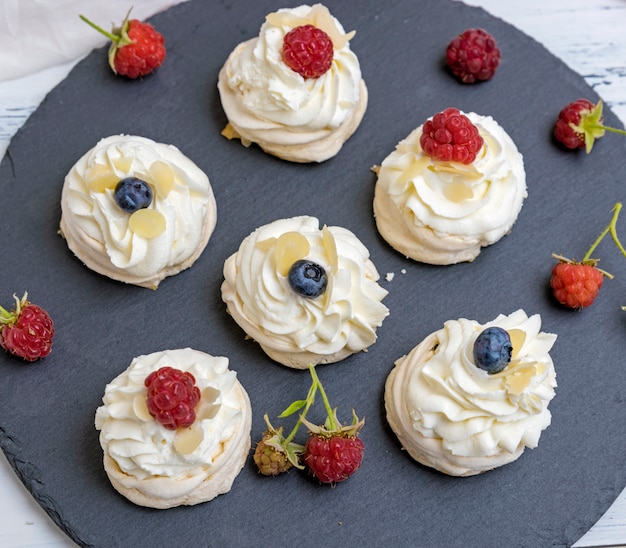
(332, 452)
(172, 396)
(27, 330)
(308, 50)
(450, 136)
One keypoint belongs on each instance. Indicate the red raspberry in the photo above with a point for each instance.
(308, 50)
(567, 128)
(136, 47)
(172, 397)
(450, 136)
(579, 124)
(473, 55)
(333, 459)
(575, 285)
(145, 53)
(27, 331)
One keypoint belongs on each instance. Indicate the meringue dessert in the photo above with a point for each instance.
(157, 459)
(472, 397)
(298, 115)
(137, 211)
(306, 295)
(444, 212)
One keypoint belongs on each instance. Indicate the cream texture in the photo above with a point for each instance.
(161, 468)
(444, 213)
(457, 418)
(296, 118)
(298, 331)
(100, 233)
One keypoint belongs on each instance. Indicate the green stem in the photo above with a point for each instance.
(109, 35)
(607, 128)
(610, 228)
(329, 410)
(310, 398)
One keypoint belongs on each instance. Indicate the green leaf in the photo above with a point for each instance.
(295, 406)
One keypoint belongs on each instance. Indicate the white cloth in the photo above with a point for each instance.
(37, 34)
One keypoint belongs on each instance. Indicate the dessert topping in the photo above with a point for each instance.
(493, 350)
(172, 396)
(132, 194)
(307, 278)
(450, 136)
(308, 50)
(290, 247)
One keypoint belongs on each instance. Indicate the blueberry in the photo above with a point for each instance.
(132, 194)
(307, 278)
(492, 350)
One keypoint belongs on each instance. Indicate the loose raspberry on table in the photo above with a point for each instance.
(145, 53)
(27, 331)
(308, 50)
(575, 285)
(172, 396)
(473, 56)
(569, 117)
(450, 136)
(333, 459)
(580, 123)
(269, 460)
(137, 48)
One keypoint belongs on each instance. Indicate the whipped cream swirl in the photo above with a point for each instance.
(473, 204)
(343, 319)
(266, 101)
(477, 414)
(101, 234)
(143, 448)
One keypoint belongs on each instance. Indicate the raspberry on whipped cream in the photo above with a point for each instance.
(159, 467)
(295, 118)
(445, 212)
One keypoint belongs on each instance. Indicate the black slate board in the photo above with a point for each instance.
(549, 497)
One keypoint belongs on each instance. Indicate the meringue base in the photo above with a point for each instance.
(318, 149)
(93, 255)
(419, 242)
(430, 451)
(162, 492)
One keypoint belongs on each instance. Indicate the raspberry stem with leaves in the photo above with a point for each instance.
(611, 229)
(276, 453)
(332, 423)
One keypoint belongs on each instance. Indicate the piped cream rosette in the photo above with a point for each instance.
(445, 212)
(452, 416)
(160, 468)
(294, 330)
(292, 117)
(143, 247)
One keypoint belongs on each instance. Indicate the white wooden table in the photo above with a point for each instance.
(588, 35)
